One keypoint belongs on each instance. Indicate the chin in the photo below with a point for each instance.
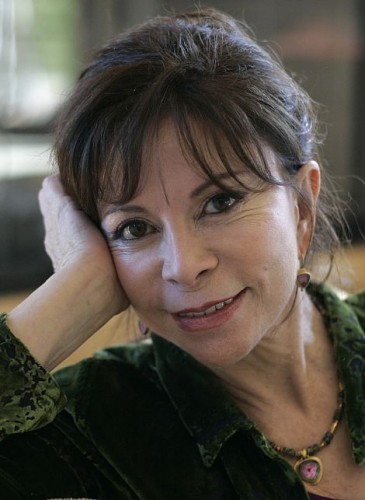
(223, 354)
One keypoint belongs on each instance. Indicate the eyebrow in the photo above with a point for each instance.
(198, 191)
(208, 183)
(123, 208)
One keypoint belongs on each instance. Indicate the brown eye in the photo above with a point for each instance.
(134, 230)
(221, 202)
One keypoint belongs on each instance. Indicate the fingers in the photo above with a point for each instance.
(53, 321)
(66, 227)
(52, 194)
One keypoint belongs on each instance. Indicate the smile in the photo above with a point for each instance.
(211, 310)
(210, 315)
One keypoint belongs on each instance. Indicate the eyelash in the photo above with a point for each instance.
(237, 197)
(118, 233)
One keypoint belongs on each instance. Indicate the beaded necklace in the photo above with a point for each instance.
(308, 466)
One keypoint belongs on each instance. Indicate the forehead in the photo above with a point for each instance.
(201, 151)
(168, 149)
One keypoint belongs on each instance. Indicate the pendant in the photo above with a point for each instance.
(309, 469)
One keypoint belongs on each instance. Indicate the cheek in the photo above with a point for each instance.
(282, 258)
(269, 249)
(136, 272)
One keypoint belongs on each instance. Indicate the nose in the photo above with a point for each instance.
(187, 257)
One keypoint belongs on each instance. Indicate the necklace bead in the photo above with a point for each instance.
(308, 466)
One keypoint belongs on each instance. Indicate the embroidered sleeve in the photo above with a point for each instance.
(29, 396)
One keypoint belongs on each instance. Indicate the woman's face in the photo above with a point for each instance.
(212, 271)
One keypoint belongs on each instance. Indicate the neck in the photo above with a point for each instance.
(285, 364)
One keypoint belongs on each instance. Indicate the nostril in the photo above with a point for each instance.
(186, 259)
(189, 271)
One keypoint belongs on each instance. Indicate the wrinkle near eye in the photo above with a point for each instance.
(252, 216)
(252, 210)
(230, 199)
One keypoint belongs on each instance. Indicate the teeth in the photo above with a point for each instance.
(196, 315)
(220, 305)
(211, 310)
(208, 311)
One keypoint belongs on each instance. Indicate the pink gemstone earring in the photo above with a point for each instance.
(303, 277)
(143, 328)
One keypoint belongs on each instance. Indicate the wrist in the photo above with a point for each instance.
(65, 311)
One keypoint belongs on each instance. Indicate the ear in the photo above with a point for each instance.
(308, 182)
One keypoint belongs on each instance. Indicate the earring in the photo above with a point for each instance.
(303, 277)
(143, 328)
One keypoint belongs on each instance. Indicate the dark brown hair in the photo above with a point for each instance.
(200, 69)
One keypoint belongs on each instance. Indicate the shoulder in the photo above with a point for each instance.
(118, 386)
(116, 368)
(117, 402)
(356, 303)
(339, 306)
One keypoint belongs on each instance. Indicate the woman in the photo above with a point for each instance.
(188, 188)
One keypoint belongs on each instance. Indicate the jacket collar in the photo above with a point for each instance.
(203, 405)
(346, 324)
(211, 416)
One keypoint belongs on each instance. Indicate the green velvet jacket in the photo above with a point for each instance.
(147, 421)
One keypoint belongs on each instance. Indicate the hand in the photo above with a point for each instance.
(72, 238)
(82, 294)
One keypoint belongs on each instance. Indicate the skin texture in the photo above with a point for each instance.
(176, 249)
(82, 294)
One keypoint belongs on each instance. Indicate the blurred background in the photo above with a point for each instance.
(44, 43)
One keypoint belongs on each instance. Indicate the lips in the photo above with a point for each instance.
(210, 315)
(209, 310)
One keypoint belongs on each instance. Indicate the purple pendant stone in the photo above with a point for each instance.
(303, 279)
(309, 469)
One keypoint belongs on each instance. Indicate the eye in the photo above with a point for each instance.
(221, 202)
(133, 230)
